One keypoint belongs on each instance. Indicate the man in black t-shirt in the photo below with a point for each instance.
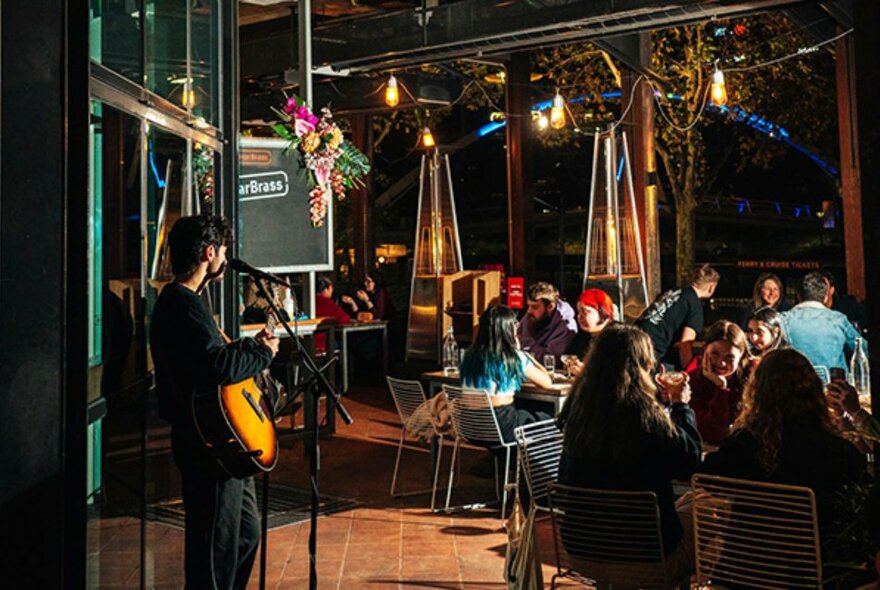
(676, 318)
(222, 527)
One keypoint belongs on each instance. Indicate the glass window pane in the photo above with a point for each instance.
(166, 50)
(119, 382)
(115, 36)
(205, 60)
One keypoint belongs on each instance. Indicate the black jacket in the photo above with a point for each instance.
(192, 358)
(810, 456)
(657, 461)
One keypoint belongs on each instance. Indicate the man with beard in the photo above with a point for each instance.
(544, 330)
(222, 527)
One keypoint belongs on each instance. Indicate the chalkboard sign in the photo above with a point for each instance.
(274, 231)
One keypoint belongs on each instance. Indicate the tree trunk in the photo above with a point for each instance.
(685, 205)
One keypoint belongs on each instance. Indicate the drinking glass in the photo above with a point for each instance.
(550, 363)
(669, 380)
(567, 360)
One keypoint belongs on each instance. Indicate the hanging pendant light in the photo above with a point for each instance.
(718, 92)
(392, 94)
(428, 139)
(557, 112)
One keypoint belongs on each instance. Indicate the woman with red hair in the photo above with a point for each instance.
(595, 311)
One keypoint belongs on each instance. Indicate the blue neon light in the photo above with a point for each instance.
(159, 181)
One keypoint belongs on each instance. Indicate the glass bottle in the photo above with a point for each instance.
(859, 370)
(450, 353)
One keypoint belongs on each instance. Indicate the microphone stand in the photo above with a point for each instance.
(319, 382)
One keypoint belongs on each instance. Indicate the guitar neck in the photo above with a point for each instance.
(271, 321)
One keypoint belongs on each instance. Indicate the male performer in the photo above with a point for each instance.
(191, 357)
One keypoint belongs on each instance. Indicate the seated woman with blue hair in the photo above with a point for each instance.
(496, 364)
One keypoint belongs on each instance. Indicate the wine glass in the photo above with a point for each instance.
(669, 381)
(567, 360)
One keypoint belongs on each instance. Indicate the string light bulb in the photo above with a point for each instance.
(718, 92)
(557, 112)
(392, 94)
(428, 139)
(543, 122)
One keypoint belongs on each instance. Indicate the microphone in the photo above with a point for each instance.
(243, 267)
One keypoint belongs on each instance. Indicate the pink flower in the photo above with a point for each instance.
(303, 113)
(290, 106)
(302, 127)
(322, 174)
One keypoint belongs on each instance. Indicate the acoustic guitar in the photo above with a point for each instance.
(238, 426)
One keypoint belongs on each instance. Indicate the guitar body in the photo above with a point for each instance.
(237, 425)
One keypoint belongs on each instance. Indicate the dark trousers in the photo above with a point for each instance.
(222, 532)
(222, 520)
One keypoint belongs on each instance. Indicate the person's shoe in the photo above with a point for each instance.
(484, 468)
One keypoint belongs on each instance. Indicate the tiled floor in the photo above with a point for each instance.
(386, 543)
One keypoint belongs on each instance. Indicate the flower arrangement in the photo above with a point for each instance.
(334, 165)
(203, 173)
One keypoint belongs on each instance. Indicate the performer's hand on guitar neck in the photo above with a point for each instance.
(268, 339)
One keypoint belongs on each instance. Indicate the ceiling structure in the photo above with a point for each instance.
(358, 39)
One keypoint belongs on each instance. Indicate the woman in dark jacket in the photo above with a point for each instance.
(618, 437)
(785, 435)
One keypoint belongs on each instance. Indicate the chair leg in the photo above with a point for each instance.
(436, 471)
(397, 463)
(495, 459)
(506, 477)
(451, 473)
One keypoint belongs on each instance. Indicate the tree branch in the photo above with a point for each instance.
(670, 172)
(712, 174)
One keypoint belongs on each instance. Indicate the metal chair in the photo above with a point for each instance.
(607, 537)
(474, 421)
(755, 534)
(540, 448)
(408, 397)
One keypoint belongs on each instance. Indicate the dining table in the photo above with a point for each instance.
(554, 395)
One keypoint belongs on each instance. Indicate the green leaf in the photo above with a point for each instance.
(282, 131)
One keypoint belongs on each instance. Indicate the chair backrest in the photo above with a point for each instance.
(540, 448)
(823, 373)
(755, 534)
(610, 536)
(407, 395)
(472, 415)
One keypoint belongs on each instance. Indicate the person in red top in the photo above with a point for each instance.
(717, 378)
(326, 307)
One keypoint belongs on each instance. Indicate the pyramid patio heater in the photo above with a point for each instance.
(443, 295)
(613, 260)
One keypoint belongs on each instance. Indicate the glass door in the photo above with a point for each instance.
(118, 375)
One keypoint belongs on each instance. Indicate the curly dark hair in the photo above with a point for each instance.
(191, 235)
(784, 386)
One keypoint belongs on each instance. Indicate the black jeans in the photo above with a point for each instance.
(222, 524)
(509, 417)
